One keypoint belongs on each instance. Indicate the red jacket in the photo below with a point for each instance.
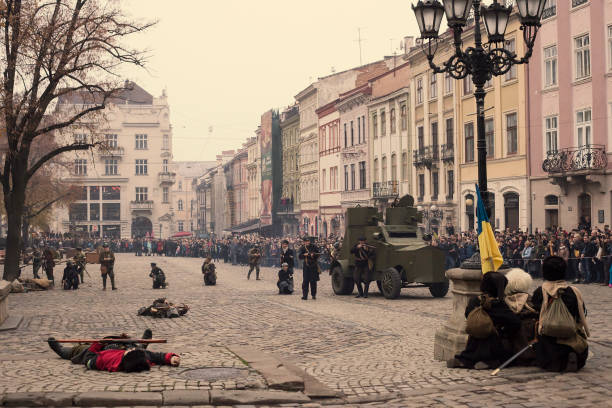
(110, 360)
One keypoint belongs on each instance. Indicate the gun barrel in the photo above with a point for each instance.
(127, 341)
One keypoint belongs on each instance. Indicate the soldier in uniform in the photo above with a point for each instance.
(254, 259)
(310, 254)
(285, 280)
(48, 263)
(159, 277)
(107, 266)
(70, 279)
(364, 256)
(36, 262)
(287, 255)
(209, 272)
(80, 261)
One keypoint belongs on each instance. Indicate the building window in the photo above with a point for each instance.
(434, 137)
(469, 142)
(467, 85)
(450, 136)
(376, 170)
(576, 3)
(180, 205)
(419, 91)
(80, 167)
(374, 125)
(448, 84)
(582, 47)
(583, 127)
(383, 123)
(77, 212)
(420, 139)
(393, 167)
(359, 130)
(111, 211)
(94, 193)
(346, 178)
(363, 125)
(550, 9)
(180, 226)
(450, 184)
(110, 167)
(421, 186)
(323, 176)
(141, 167)
(512, 133)
(433, 86)
(80, 138)
(94, 212)
(490, 137)
(142, 194)
(180, 185)
(165, 166)
(110, 140)
(141, 142)
(404, 166)
(352, 176)
(345, 136)
(434, 185)
(166, 142)
(362, 174)
(403, 116)
(610, 48)
(550, 66)
(392, 120)
(383, 169)
(81, 193)
(165, 195)
(334, 173)
(551, 123)
(352, 134)
(111, 192)
(511, 46)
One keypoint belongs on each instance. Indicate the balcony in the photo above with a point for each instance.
(115, 151)
(141, 206)
(166, 178)
(576, 3)
(426, 156)
(549, 12)
(448, 152)
(386, 189)
(576, 160)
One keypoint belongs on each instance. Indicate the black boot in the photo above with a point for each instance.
(359, 289)
(366, 289)
(63, 352)
(147, 335)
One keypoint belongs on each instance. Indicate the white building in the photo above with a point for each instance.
(185, 200)
(126, 186)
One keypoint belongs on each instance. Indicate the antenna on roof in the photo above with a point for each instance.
(360, 40)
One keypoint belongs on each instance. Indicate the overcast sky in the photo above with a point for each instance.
(223, 63)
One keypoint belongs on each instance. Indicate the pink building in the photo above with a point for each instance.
(570, 106)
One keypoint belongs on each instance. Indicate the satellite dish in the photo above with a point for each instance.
(406, 201)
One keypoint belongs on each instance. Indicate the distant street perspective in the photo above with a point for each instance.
(305, 204)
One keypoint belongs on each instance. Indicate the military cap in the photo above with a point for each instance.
(362, 238)
(153, 264)
(285, 242)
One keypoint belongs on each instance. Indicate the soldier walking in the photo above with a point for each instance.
(49, 263)
(107, 266)
(364, 257)
(254, 259)
(310, 254)
(80, 261)
(36, 262)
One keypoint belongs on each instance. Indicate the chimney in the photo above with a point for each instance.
(408, 43)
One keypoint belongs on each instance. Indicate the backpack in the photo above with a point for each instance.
(556, 320)
(479, 324)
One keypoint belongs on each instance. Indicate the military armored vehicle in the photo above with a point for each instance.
(404, 256)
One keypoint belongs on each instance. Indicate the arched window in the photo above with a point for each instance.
(393, 167)
(165, 166)
(404, 166)
(376, 170)
(511, 210)
(469, 210)
(584, 210)
(551, 200)
(383, 169)
(180, 205)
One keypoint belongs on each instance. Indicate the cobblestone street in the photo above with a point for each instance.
(359, 347)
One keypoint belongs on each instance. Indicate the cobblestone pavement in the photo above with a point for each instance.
(360, 347)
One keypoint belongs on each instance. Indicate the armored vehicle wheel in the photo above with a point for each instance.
(379, 284)
(340, 284)
(391, 283)
(439, 289)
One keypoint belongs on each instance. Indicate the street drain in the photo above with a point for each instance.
(212, 374)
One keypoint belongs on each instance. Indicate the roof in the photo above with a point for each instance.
(193, 168)
(132, 94)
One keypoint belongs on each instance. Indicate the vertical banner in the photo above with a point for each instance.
(265, 144)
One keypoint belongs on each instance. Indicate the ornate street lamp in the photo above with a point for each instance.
(482, 61)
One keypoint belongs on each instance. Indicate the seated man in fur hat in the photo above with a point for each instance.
(519, 301)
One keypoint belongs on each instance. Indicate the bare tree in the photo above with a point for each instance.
(53, 49)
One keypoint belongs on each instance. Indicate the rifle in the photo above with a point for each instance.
(126, 341)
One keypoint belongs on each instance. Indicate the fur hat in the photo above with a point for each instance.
(519, 281)
(493, 284)
(554, 268)
(135, 361)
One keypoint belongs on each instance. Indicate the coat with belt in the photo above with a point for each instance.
(310, 255)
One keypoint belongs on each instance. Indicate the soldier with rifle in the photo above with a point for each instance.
(80, 262)
(48, 263)
(309, 253)
(364, 260)
(107, 266)
(114, 353)
(36, 262)
(159, 277)
(287, 255)
(254, 259)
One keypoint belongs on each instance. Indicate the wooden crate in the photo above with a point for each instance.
(69, 253)
(92, 257)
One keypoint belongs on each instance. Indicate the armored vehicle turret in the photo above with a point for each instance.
(404, 257)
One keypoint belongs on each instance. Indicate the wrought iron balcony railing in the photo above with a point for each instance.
(166, 177)
(576, 3)
(448, 152)
(418, 157)
(549, 12)
(576, 159)
(112, 151)
(146, 205)
(426, 155)
(385, 189)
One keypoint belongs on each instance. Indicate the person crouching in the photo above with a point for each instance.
(70, 279)
(285, 280)
(489, 320)
(159, 277)
(209, 272)
(519, 300)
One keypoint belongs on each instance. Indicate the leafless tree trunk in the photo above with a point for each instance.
(52, 49)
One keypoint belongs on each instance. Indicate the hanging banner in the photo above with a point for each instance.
(265, 143)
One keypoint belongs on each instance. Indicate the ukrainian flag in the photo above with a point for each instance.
(490, 257)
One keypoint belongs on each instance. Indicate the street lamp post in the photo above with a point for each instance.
(482, 61)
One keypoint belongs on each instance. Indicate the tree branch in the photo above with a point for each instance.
(58, 151)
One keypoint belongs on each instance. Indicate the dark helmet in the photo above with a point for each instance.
(362, 239)
(135, 361)
(285, 242)
(153, 264)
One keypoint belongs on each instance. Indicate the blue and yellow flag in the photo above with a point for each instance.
(490, 257)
